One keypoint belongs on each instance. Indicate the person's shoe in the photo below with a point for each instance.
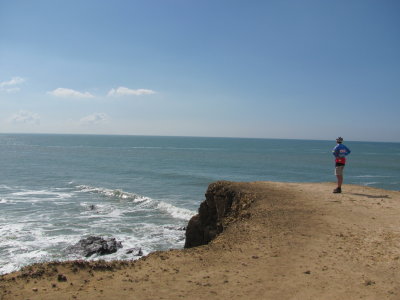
(337, 190)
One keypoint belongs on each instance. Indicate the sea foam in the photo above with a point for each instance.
(176, 212)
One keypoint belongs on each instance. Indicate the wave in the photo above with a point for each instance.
(41, 233)
(372, 176)
(176, 212)
(43, 194)
(109, 193)
(370, 183)
(5, 187)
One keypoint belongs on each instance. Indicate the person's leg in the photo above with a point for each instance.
(339, 180)
(339, 176)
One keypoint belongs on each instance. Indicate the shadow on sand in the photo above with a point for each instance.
(371, 196)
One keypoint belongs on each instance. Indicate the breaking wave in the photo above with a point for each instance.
(110, 193)
(49, 220)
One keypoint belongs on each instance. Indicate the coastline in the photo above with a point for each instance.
(294, 241)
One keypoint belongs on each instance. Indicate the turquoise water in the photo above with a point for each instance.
(56, 189)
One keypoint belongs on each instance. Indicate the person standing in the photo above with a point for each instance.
(340, 152)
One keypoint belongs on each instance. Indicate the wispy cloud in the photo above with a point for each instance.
(25, 117)
(95, 118)
(11, 86)
(69, 93)
(124, 91)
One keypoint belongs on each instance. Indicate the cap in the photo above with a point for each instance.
(339, 139)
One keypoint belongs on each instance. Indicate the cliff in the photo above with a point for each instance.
(266, 240)
(224, 203)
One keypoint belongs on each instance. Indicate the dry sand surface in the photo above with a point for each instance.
(296, 241)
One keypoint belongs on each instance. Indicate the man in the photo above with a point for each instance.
(340, 152)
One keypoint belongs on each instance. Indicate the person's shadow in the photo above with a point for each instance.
(371, 196)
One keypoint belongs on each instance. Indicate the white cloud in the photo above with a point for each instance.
(124, 91)
(69, 93)
(25, 117)
(95, 118)
(11, 86)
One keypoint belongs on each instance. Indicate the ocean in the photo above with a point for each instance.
(142, 190)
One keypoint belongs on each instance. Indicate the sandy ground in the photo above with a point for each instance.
(296, 241)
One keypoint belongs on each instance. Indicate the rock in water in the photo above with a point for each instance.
(96, 245)
(135, 251)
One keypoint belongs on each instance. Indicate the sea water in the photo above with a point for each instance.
(142, 190)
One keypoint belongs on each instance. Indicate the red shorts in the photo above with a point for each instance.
(340, 160)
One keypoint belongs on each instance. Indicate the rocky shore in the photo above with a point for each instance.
(260, 240)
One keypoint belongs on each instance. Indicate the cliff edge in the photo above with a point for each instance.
(224, 203)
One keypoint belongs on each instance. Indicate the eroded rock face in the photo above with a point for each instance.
(95, 245)
(222, 201)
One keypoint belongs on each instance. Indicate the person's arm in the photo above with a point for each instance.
(335, 152)
(348, 151)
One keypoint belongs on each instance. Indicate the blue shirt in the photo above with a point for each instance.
(340, 150)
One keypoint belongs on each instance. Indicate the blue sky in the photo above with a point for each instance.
(265, 69)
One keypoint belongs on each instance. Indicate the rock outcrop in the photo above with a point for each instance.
(223, 204)
(95, 245)
(135, 251)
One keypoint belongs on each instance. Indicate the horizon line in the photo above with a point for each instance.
(189, 136)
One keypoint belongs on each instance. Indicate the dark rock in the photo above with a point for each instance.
(182, 228)
(223, 204)
(61, 278)
(135, 251)
(369, 282)
(95, 245)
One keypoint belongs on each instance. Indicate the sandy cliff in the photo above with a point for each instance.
(276, 241)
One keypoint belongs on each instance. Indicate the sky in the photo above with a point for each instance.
(218, 68)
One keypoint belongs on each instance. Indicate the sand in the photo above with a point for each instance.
(296, 241)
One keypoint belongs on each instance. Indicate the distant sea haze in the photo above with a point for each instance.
(57, 189)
